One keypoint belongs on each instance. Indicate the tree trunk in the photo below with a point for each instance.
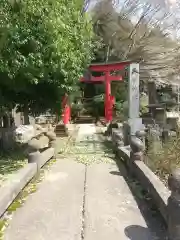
(5, 121)
(26, 115)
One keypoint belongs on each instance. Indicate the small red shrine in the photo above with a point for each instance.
(107, 78)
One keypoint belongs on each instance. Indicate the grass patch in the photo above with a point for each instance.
(3, 225)
(11, 161)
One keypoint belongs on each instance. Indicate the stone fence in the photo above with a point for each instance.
(41, 149)
(130, 149)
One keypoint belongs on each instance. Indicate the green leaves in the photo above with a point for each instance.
(43, 41)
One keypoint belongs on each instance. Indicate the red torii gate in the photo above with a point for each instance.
(106, 68)
(66, 113)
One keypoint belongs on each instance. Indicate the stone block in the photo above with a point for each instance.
(13, 186)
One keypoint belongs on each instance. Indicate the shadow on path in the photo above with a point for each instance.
(136, 232)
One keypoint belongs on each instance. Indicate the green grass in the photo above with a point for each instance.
(164, 159)
(11, 161)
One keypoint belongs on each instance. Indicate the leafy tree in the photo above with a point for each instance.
(44, 47)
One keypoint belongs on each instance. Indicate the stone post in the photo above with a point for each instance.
(141, 135)
(119, 143)
(136, 154)
(137, 149)
(173, 207)
(126, 133)
(113, 137)
(34, 153)
(117, 139)
(133, 90)
(52, 142)
(120, 140)
(165, 136)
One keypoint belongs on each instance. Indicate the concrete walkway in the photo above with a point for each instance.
(86, 129)
(78, 202)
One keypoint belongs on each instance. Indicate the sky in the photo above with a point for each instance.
(91, 3)
(169, 5)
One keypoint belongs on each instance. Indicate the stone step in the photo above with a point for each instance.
(85, 119)
(61, 130)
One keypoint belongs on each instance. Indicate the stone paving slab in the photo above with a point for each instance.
(85, 131)
(111, 211)
(54, 212)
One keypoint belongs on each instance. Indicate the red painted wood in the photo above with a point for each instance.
(108, 109)
(108, 67)
(101, 79)
(66, 115)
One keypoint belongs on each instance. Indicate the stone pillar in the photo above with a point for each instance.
(137, 149)
(141, 135)
(126, 133)
(117, 139)
(173, 207)
(113, 137)
(34, 154)
(134, 120)
(165, 136)
(120, 140)
(133, 90)
(52, 142)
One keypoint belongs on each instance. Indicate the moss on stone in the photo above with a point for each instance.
(3, 224)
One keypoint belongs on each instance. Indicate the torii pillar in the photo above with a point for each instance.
(108, 98)
(133, 89)
(66, 114)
